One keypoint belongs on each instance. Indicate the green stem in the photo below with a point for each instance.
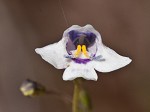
(75, 105)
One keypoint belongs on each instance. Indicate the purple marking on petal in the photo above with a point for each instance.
(70, 46)
(81, 61)
(82, 38)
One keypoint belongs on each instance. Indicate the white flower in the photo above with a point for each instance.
(80, 52)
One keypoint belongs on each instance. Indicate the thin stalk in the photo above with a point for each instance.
(75, 105)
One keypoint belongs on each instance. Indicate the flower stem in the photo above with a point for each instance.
(75, 105)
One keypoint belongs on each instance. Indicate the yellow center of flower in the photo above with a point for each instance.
(84, 51)
(78, 51)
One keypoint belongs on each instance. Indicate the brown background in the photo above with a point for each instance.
(27, 24)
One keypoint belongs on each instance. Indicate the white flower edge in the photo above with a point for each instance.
(54, 54)
(112, 60)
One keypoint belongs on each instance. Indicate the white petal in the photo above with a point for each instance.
(73, 27)
(86, 28)
(112, 60)
(90, 28)
(54, 54)
(75, 70)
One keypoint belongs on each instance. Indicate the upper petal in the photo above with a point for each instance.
(75, 70)
(86, 28)
(90, 28)
(54, 54)
(111, 60)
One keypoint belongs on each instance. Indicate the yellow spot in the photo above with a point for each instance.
(85, 51)
(23, 88)
(28, 93)
(78, 51)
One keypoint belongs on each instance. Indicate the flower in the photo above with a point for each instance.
(80, 52)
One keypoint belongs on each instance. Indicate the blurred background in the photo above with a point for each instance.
(28, 24)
